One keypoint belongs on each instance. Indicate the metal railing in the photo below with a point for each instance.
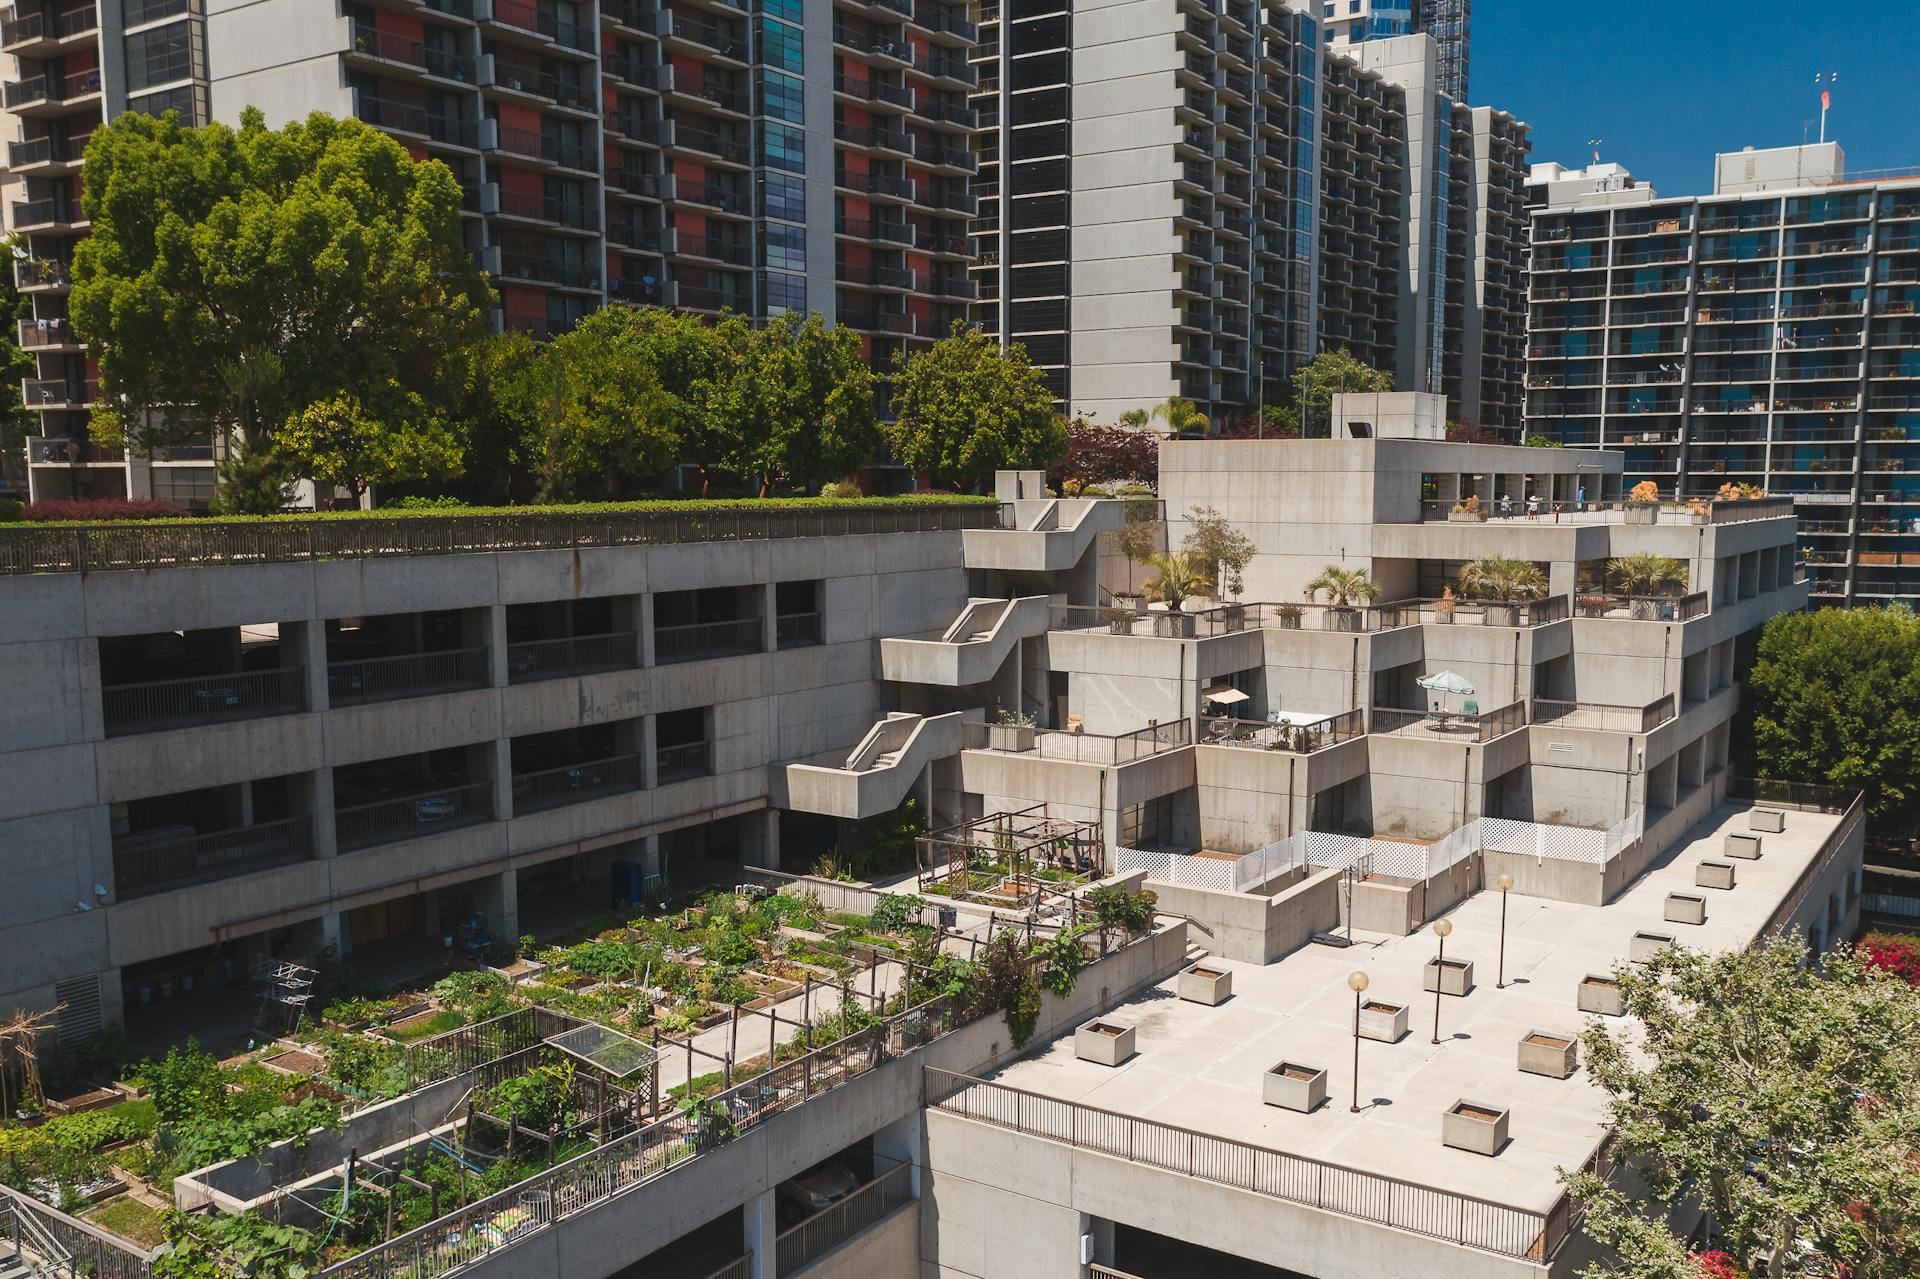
(1301, 739)
(532, 660)
(384, 679)
(1830, 849)
(428, 812)
(797, 630)
(1082, 748)
(699, 640)
(62, 1245)
(839, 1222)
(1466, 1220)
(202, 699)
(142, 868)
(575, 783)
(740, 1267)
(1604, 718)
(1453, 725)
(1813, 797)
(682, 763)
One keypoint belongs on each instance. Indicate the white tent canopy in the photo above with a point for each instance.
(1446, 682)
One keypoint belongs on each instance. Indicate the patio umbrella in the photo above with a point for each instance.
(1446, 683)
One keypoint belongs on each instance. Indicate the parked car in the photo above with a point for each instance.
(819, 1187)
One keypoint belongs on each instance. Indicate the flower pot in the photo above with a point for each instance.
(1502, 614)
(1011, 737)
(1466, 517)
(1771, 820)
(1205, 984)
(1104, 1043)
(1292, 1086)
(1342, 618)
(1443, 616)
(1643, 514)
(1599, 995)
(1449, 977)
(1289, 621)
(1474, 1127)
(1645, 946)
(1745, 847)
(1543, 1053)
(1686, 908)
(1713, 875)
(1173, 626)
(1383, 1022)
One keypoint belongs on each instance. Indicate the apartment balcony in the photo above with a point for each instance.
(395, 116)
(392, 52)
(874, 93)
(873, 275)
(536, 268)
(48, 215)
(944, 64)
(726, 147)
(522, 18)
(145, 864)
(635, 15)
(59, 393)
(630, 178)
(416, 815)
(47, 97)
(636, 122)
(569, 93)
(50, 335)
(39, 35)
(947, 25)
(706, 39)
(529, 144)
(550, 213)
(551, 788)
(734, 251)
(714, 195)
(45, 157)
(53, 450)
(708, 93)
(42, 275)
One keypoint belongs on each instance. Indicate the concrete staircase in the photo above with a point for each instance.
(878, 773)
(1049, 535)
(972, 649)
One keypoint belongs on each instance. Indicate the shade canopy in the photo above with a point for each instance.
(1225, 696)
(1297, 719)
(1446, 682)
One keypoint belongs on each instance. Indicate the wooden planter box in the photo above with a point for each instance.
(1454, 977)
(1745, 847)
(1771, 820)
(1713, 875)
(1202, 984)
(1545, 1053)
(1474, 1127)
(1599, 995)
(1104, 1043)
(1685, 908)
(1646, 945)
(1643, 514)
(1292, 1086)
(1384, 1022)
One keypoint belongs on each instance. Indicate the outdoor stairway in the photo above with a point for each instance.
(877, 774)
(973, 648)
(1049, 535)
(13, 1267)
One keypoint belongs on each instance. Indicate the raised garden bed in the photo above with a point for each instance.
(1383, 1022)
(1713, 875)
(295, 1061)
(1448, 976)
(1743, 846)
(1645, 946)
(1205, 984)
(80, 1103)
(1686, 908)
(1474, 1127)
(1104, 1043)
(1772, 820)
(1545, 1053)
(1599, 995)
(1292, 1086)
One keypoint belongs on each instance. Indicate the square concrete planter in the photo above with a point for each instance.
(1453, 977)
(1545, 1053)
(1475, 1127)
(1599, 995)
(1339, 618)
(1292, 1086)
(1173, 625)
(1686, 908)
(1382, 1021)
(1501, 614)
(1466, 517)
(1646, 945)
(1643, 514)
(1713, 875)
(1745, 847)
(1104, 1043)
(1204, 984)
(1010, 737)
(1771, 820)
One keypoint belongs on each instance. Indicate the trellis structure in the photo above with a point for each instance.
(1029, 852)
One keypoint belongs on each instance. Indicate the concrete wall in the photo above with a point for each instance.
(1257, 928)
(888, 1249)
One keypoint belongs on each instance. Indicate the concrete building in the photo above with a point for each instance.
(1449, 22)
(335, 740)
(1179, 201)
(1760, 335)
(799, 157)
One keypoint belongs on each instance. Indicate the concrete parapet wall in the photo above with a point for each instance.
(1256, 928)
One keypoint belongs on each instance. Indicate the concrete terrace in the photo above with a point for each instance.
(1200, 1067)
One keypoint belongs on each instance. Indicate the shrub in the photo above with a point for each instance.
(841, 489)
(1896, 955)
(607, 960)
(895, 911)
(479, 994)
(10, 510)
(102, 508)
(416, 503)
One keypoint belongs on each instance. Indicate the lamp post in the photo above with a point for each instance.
(1356, 982)
(1441, 927)
(1503, 881)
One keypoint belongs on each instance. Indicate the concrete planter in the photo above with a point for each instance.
(1453, 977)
(1474, 1127)
(1443, 616)
(1645, 946)
(1545, 1053)
(1699, 517)
(1202, 984)
(1135, 604)
(1104, 1043)
(1466, 517)
(1292, 1086)
(1745, 847)
(1011, 737)
(1173, 626)
(1600, 996)
(1641, 609)
(1342, 619)
(1383, 1022)
(1713, 875)
(1685, 908)
(1771, 820)
(1499, 614)
(1289, 618)
(1643, 514)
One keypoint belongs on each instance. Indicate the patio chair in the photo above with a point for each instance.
(1469, 710)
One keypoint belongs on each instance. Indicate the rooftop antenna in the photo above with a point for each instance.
(1593, 145)
(1824, 81)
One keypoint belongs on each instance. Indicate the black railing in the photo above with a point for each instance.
(414, 816)
(535, 660)
(797, 630)
(682, 763)
(699, 640)
(143, 866)
(385, 679)
(575, 783)
(202, 699)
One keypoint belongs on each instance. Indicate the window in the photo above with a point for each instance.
(780, 46)
(783, 197)
(784, 291)
(780, 96)
(190, 100)
(783, 247)
(188, 486)
(1149, 824)
(783, 146)
(787, 10)
(161, 55)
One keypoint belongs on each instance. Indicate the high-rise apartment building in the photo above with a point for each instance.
(1763, 335)
(1184, 199)
(1449, 22)
(693, 153)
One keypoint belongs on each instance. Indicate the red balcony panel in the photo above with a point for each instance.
(401, 24)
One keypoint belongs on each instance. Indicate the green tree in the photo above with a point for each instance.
(965, 408)
(498, 394)
(1332, 373)
(1177, 576)
(322, 245)
(1502, 577)
(809, 399)
(610, 426)
(1835, 698)
(1180, 415)
(1781, 1096)
(1135, 419)
(345, 442)
(1223, 549)
(1344, 587)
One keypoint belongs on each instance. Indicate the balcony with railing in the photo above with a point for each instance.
(421, 811)
(528, 17)
(405, 675)
(547, 147)
(186, 702)
(158, 862)
(394, 49)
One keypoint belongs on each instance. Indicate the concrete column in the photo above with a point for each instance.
(502, 766)
(246, 803)
(649, 745)
(630, 613)
(311, 636)
(498, 897)
(643, 622)
(319, 791)
(900, 1142)
(1102, 1232)
(492, 629)
(760, 1222)
(769, 619)
(761, 847)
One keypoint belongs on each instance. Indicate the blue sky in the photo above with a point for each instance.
(1667, 85)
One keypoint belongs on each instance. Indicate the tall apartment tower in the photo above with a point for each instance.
(1763, 335)
(1449, 22)
(705, 154)
(1194, 197)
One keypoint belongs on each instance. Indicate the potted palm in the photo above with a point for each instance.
(1643, 577)
(1344, 589)
(1504, 582)
(1176, 579)
(1643, 503)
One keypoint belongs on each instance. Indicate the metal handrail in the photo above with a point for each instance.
(537, 792)
(840, 1221)
(376, 679)
(427, 812)
(530, 660)
(141, 869)
(202, 699)
(1803, 885)
(84, 1249)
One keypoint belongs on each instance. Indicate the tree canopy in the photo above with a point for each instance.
(1330, 373)
(346, 442)
(1782, 1097)
(807, 393)
(1099, 454)
(1835, 698)
(611, 426)
(966, 408)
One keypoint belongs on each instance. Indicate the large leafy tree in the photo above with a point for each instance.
(610, 424)
(1783, 1098)
(965, 408)
(322, 246)
(15, 364)
(1099, 454)
(807, 396)
(1328, 374)
(1835, 697)
(346, 442)
(497, 398)
(699, 368)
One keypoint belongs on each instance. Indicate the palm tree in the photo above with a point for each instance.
(1180, 415)
(1177, 575)
(1648, 574)
(1344, 587)
(1503, 578)
(1134, 419)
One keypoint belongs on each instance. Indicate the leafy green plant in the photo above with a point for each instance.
(896, 911)
(220, 1245)
(1004, 980)
(607, 960)
(1061, 957)
(477, 993)
(540, 1098)
(1119, 912)
(1344, 587)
